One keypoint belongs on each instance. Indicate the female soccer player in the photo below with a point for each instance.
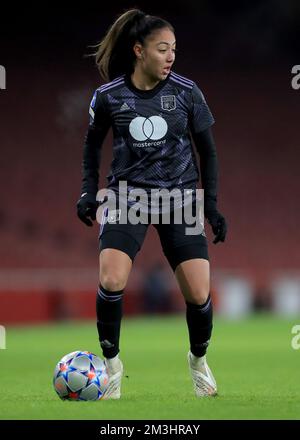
(153, 112)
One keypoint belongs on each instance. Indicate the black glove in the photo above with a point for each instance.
(87, 207)
(218, 224)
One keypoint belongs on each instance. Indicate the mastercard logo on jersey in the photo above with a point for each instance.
(153, 128)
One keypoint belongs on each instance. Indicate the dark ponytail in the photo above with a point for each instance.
(115, 55)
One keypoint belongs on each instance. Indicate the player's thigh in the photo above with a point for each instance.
(178, 246)
(119, 244)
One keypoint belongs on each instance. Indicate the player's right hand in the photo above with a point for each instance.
(87, 208)
(218, 224)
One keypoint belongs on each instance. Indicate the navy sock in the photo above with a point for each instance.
(199, 320)
(109, 315)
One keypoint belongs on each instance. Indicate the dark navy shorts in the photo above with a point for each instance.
(176, 244)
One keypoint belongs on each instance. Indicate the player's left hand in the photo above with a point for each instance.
(218, 224)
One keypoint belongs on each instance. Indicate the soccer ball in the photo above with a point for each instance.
(80, 375)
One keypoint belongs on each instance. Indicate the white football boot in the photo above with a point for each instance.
(115, 372)
(203, 379)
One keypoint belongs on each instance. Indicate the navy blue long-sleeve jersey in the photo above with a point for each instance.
(152, 129)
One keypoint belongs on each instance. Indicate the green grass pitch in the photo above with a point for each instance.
(256, 369)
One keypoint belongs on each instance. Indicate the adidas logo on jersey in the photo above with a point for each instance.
(124, 106)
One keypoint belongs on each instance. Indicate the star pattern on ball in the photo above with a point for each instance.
(92, 375)
(65, 369)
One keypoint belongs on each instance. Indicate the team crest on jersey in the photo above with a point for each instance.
(114, 215)
(168, 102)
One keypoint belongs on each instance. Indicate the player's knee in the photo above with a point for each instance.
(199, 295)
(113, 282)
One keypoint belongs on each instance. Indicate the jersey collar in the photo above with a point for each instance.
(145, 93)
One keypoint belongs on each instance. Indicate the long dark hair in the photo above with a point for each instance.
(115, 55)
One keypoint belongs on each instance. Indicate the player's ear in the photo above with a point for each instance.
(138, 50)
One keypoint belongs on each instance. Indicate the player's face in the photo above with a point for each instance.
(158, 54)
